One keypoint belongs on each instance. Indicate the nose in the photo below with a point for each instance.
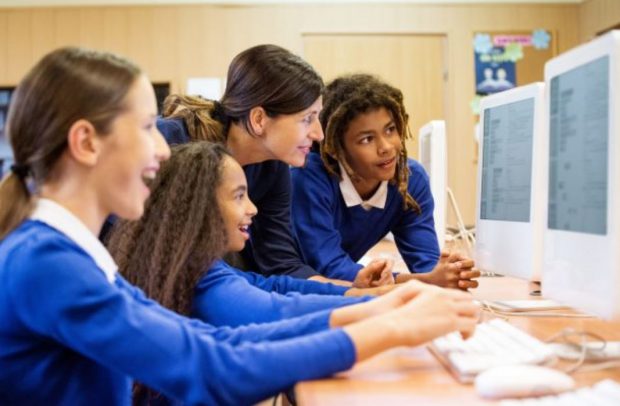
(162, 150)
(383, 145)
(251, 210)
(316, 132)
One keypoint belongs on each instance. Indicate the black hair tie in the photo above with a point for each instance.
(21, 170)
(219, 113)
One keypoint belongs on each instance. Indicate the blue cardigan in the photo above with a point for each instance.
(272, 249)
(69, 336)
(227, 296)
(336, 236)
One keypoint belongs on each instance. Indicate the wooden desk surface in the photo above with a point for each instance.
(407, 376)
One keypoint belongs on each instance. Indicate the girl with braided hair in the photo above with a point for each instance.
(362, 186)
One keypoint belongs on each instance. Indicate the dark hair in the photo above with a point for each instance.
(181, 233)
(344, 99)
(68, 84)
(268, 76)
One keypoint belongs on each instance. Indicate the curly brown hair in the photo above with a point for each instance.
(181, 232)
(347, 97)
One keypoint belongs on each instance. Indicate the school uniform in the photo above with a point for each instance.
(337, 227)
(226, 296)
(272, 248)
(73, 331)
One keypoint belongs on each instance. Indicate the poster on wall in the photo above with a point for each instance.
(506, 60)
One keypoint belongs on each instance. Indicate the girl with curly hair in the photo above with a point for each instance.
(197, 212)
(362, 186)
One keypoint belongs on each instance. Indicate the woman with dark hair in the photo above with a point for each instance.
(188, 225)
(268, 118)
(363, 186)
(73, 331)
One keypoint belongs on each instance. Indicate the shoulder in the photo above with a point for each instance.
(313, 171)
(220, 272)
(416, 169)
(418, 178)
(36, 255)
(173, 130)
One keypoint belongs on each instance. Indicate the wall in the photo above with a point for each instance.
(596, 16)
(173, 43)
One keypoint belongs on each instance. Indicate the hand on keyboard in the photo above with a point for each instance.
(434, 312)
(495, 343)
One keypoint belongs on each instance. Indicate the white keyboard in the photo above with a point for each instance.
(604, 393)
(494, 343)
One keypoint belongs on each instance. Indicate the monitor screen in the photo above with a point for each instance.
(578, 130)
(506, 175)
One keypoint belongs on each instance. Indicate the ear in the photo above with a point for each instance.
(258, 120)
(84, 143)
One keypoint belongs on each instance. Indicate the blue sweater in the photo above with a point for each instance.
(336, 236)
(227, 296)
(272, 249)
(69, 336)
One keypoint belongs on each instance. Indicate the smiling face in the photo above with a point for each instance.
(235, 205)
(130, 153)
(289, 137)
(372, 147)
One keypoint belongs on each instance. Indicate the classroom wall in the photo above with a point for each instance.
(173, 43)
(596, 16)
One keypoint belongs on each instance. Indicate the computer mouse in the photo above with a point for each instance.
(521, 381)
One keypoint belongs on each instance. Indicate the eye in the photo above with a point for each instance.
(239, 196)
(366, 140)
(308, 119)
(391, 130)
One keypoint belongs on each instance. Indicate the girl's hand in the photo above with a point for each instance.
(377, 273)
(454, 271)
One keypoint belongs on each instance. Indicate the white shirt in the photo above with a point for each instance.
(352, 198)
(61, 219)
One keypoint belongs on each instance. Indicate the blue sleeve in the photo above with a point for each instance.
(223, 297)
(286, 284)
(269, 330)
(273, 246)
(415, 234)
(106, 324)
(313, 208)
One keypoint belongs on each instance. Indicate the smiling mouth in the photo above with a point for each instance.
(387, 164)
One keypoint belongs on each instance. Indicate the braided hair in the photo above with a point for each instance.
(347, 97)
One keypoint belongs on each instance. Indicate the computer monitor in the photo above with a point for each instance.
(433, 157)
(582, 244)
(511, 198)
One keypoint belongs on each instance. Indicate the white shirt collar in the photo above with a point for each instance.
(352, 198)
(56, 216)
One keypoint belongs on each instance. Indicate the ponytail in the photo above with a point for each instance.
(16, 202)
(204, 119)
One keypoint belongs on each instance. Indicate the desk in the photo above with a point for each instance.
(408, 376)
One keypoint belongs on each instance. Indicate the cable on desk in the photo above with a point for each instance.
(579, 366)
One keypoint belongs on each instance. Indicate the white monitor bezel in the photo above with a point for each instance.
(435, 131)
(583, 270)
(510, 247)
